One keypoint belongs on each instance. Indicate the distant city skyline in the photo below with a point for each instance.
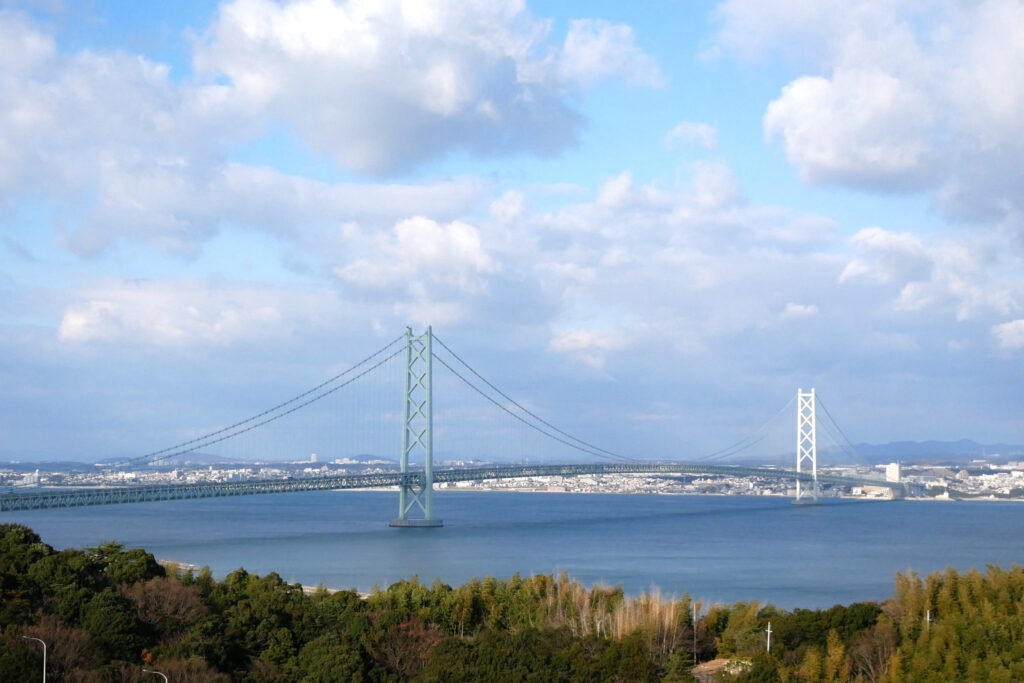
(651, 224)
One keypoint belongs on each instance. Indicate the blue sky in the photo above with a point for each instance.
(674, 214)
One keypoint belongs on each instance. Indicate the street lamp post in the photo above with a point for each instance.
(149, 671)
(40, 640)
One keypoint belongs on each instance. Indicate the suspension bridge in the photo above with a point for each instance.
(416, 357)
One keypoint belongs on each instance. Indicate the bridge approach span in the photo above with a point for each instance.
(41, 500)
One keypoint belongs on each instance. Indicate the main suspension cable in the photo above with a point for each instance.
(593, 450)
(287, 412)
(742, 444)
(852, 449)
(165, 453)
(589, 451)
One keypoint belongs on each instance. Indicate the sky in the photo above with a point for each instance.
(650, 222)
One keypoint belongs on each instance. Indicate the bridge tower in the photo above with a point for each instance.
(417, 489)
(806, 444)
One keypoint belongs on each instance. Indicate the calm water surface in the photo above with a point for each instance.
(716, 548)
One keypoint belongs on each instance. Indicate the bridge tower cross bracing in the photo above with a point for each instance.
(806, 444)
(417, 433)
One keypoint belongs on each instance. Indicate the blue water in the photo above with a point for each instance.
(716, 548)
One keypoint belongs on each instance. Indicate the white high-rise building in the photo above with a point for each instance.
(892, 472)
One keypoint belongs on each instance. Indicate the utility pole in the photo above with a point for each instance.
(694, 606)
(40, 640)
(769, 637)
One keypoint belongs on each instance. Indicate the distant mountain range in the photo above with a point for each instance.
(206, 459)
(959, 451)
(953, 452)
(192, 459)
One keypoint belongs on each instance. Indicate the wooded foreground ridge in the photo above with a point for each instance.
(106, 613)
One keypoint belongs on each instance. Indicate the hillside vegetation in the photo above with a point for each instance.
(106, 612)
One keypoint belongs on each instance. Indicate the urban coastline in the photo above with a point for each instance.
(980, 479)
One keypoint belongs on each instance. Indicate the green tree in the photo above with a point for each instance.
(330, 659)
(132, 566)
(113, 628)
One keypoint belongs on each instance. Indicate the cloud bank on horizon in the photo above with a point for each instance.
(652, 227)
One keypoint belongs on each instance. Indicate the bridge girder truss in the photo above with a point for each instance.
(147, 494)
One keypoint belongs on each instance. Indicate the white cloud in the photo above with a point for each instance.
(508, 206)
(684, 264)
(423, 266)
(714, 185)
(419, 246)
(968, 277)
(795, 311)
(110, 138)
(129, 154)
(1010, 335)
(862, 127)
(898, 95)
(191, 313)
(383, 86)
(692, 132)
(595, 49)
(589, 347)
(889, 256)
(582, 339)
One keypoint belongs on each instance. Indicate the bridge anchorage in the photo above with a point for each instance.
(417, 490)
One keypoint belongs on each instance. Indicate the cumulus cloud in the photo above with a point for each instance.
(129, 155)
(595, 49)
(190, 313)
(582, 339)
(508, 206)
(383, 86)
(431, 264)
(889, 256)
(968, 277)
(693, 132)
(176, 212)
(107, 134)
(901, 96)
(132, 154)
(678, 263)
(1009, 335)
(588, 346)
(861, 127)
(714, 185)
(794, 311)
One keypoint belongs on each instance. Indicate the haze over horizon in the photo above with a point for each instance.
(651, 224)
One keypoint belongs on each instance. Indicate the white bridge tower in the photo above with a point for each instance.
(418, 433)
(806, 444)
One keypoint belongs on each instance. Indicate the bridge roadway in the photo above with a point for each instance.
(78, 497)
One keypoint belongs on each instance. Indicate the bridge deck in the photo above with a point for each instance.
(40, 500)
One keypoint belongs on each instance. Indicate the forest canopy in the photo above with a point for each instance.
(107, 612)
